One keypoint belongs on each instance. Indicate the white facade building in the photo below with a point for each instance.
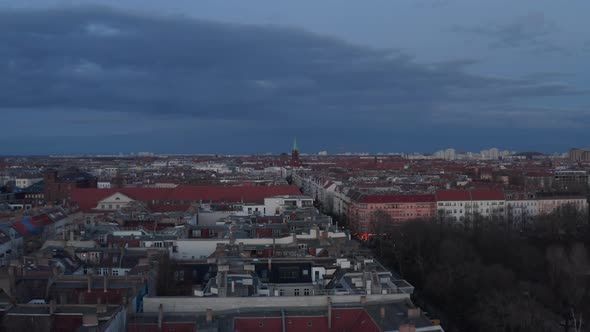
(278, 204)
(521, 207)
(26, 182)
(114, 202)
(459, 205)
(103, 185)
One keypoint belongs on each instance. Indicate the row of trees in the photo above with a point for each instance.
(489, 276)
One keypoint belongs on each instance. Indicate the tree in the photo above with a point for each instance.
(380, 227)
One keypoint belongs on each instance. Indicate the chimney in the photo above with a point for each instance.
(12, 279)
(269, 264)
(329, 313)
(55, 271)
(160, 316)
(316, 230)
(89, 277)
(100, 308)
(52, 307)
(42, 261)
(105, 285)
(382, 312)
(414, 313)
(209, 316)
(63, 298)
(90, 321)
(407, 328)
(129, 306)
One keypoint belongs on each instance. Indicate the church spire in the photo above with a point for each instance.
(295, 154)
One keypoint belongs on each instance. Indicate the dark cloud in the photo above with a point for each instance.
(532, 32)
(110, 61)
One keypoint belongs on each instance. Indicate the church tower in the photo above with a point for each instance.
(295, 154)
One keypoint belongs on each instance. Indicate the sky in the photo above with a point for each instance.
(235, 76)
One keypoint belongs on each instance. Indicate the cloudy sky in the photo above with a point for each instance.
(235, 76)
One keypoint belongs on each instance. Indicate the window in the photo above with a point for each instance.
(261, 324)
(289, 273)
(296, 292)
(309, 323)
(110, 206)
(281, 292)
(179, 276)
(115, 272)
(306, 291)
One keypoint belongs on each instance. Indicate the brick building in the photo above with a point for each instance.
(398, 207)
(59, 185)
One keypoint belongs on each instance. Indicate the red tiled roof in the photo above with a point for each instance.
(453, 195)
(88, 198)
(248, 194)
(396, 198)
(487, 195)
(468, 195)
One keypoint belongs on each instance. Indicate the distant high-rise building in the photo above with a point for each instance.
(494, 153)
(450, 154)
(447, 154)
(579, 155)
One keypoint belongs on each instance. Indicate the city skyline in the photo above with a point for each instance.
(316, 152)
(265, 165)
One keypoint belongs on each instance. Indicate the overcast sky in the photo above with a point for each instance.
(235, 76)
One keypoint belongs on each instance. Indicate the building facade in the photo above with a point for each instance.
(397, 207)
